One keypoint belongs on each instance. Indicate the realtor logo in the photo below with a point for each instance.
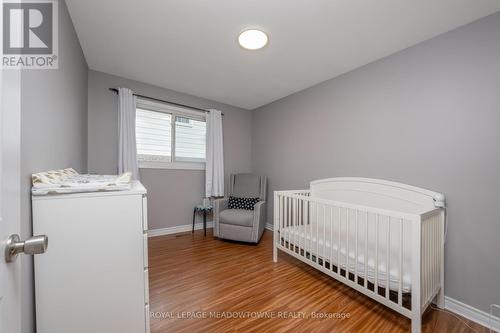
(29, 34)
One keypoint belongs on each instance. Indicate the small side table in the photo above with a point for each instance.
(205, 210)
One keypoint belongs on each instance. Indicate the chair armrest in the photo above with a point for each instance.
(259, 206)
(259, 219)
(219, 206)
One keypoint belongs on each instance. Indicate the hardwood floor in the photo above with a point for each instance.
(195, 276)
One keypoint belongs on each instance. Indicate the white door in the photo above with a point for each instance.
(10, 273)
(10, 199)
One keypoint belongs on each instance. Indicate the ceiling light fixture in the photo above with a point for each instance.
(253, 39)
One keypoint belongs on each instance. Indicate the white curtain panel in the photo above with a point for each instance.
(214, 171)
(127, 148)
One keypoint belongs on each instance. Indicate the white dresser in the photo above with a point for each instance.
(94, 275)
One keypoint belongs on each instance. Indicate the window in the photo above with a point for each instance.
(164, 143)
(153, 135)
(190, 137)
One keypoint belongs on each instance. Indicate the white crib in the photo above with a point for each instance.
(384, 239)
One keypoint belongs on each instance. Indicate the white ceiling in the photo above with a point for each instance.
(191, 46)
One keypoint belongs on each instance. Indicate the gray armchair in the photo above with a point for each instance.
(240, 224)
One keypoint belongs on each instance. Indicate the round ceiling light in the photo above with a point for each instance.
(253, 39)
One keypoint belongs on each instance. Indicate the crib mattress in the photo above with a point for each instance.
(325, 245)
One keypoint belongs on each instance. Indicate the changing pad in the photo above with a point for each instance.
(70, 181)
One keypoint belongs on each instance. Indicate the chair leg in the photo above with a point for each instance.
(194, 215)
(205, 222)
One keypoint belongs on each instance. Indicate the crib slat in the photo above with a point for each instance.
(290, 223)
(278, 213)
(280, 200)
(429, 251)
(440, 230)
(283, 218)
(297, 226)
(356, 251)
(347, 245)
(311, 212)
(297, 230)
(427, 257)
(338, 243)
(324, 236)
(294, 224)
(400, 287)
(376, 253)
(331, 238)
(301, 246)
(287, 243)
(317, 231)
(431, 257)
(366, 251)
(431, 254)
(429, 240)
(388, 260)
(426, 260)
(429, 246)
(435, 255)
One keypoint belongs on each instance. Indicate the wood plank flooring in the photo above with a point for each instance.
(194, 276)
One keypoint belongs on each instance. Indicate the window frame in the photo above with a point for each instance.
(173, 111)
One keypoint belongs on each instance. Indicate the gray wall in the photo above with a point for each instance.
(53, 132)
(428, 116)
(171, 193)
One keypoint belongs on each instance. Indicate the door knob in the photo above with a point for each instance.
(31, 246)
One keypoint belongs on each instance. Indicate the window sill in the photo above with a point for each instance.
(172, 165)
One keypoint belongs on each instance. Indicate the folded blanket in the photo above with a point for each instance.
(70, 181)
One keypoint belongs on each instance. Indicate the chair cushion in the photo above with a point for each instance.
(242, 203)
(241, 217)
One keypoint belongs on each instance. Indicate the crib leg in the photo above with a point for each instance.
(276, 223)
(416, 324)
(440, 298)
(416, 278)
(275, 247)
(440, 295)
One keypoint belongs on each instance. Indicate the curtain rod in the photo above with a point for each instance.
(164, 101)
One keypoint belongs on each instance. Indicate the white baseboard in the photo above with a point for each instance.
(187, 227)
(471, 313)
(177, 229)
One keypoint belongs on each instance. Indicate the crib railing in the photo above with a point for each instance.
(392, 257)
